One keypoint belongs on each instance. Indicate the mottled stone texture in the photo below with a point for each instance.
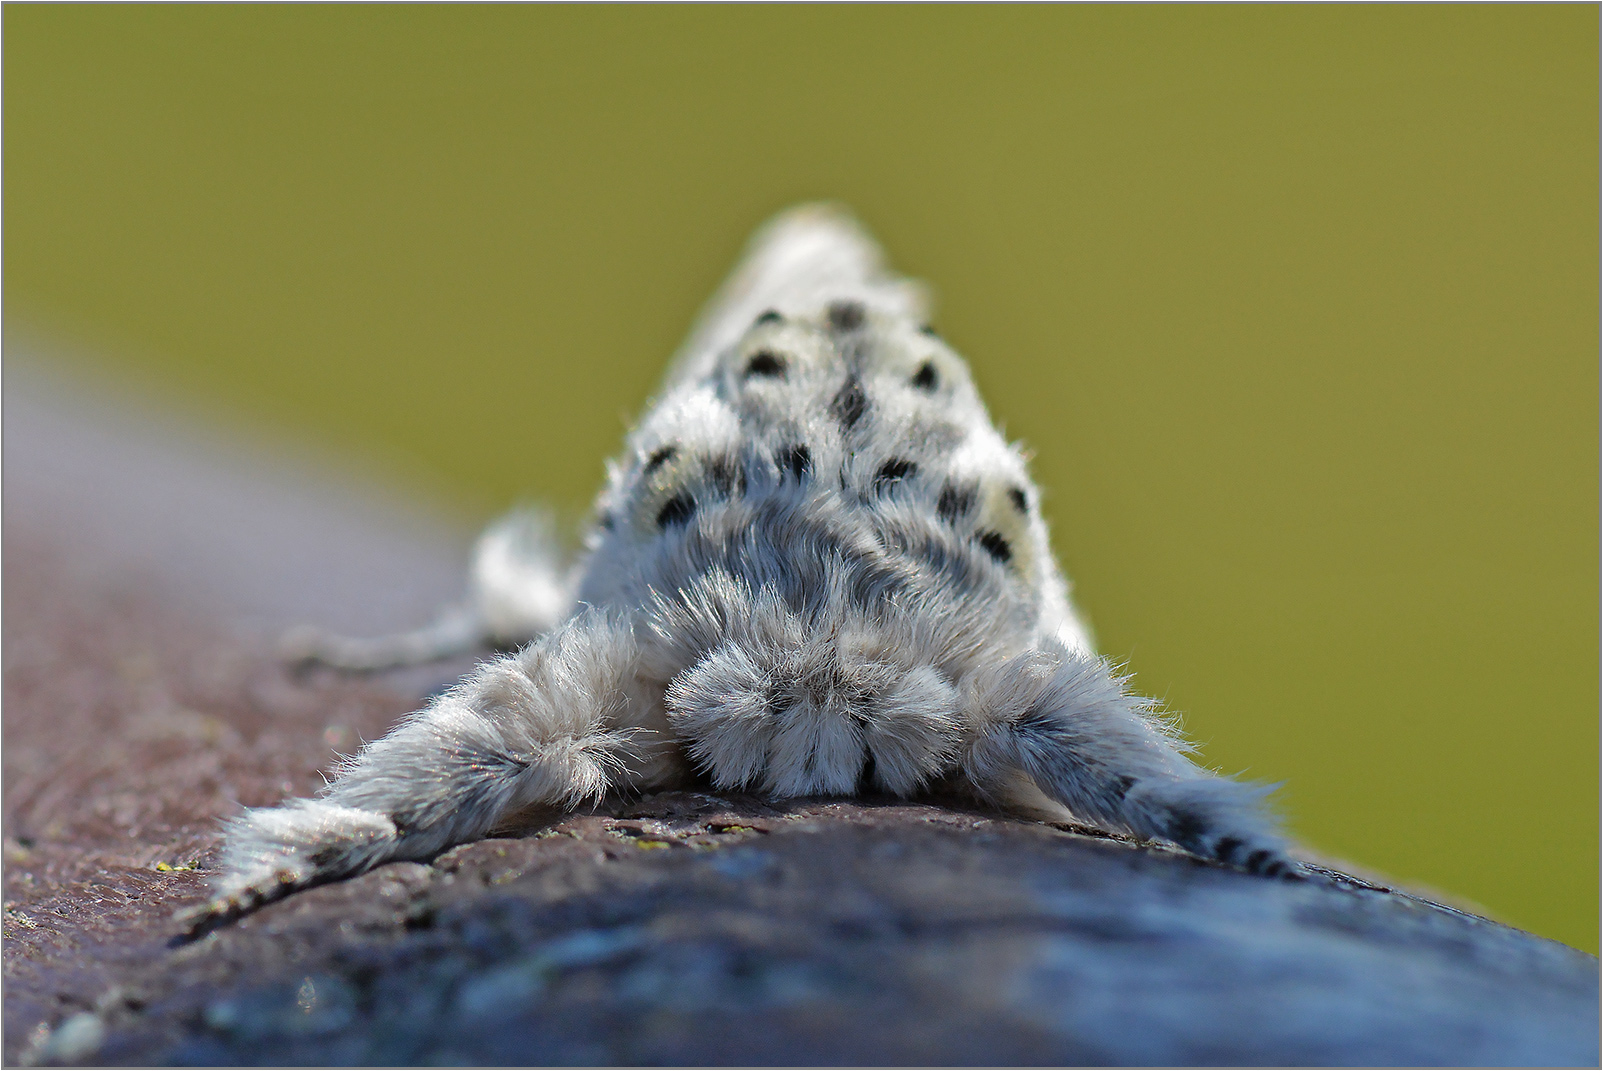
(683, 928)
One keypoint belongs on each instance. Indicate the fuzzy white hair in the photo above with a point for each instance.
(817, 569)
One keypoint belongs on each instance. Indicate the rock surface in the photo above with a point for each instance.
(143, 704)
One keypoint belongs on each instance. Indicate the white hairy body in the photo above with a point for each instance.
(817, 569)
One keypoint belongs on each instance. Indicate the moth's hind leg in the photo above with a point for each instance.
(518, 590)
(549, 725)
(1064, 718)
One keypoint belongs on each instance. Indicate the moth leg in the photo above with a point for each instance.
(1064, 718)
(518, 590)
(456, 631)
(549, 725)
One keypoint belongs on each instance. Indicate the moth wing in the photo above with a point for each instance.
(799, 260)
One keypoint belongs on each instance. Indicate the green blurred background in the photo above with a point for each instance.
(1297, 306)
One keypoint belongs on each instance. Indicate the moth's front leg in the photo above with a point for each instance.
(549, 725)
(1064, 718)
(518, 590)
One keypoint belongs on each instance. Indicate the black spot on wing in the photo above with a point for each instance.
(893, 471)
(767, 364)
(1225, 851)
(846, 315)
(770, 316)
(1020, 500)
(659, 457)
(325, 857)
(796, 460)
(954, 503)
(1034, 722)
(606, 522)
(925, 379)
(996, 546)
(677, 510)
(1185, 827)
(726, 476)
(849, 403)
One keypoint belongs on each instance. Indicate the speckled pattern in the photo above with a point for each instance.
(681, 928)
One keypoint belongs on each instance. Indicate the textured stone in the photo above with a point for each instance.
(683, 928)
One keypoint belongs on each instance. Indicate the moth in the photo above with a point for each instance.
(817, 569)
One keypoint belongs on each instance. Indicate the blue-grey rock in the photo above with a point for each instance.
(143, 704)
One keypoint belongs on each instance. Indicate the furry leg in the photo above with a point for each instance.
(544, 726)
(518, 589)
(1064, 718)
(456, 631)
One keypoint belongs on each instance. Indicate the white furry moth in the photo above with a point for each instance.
(817, 569)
